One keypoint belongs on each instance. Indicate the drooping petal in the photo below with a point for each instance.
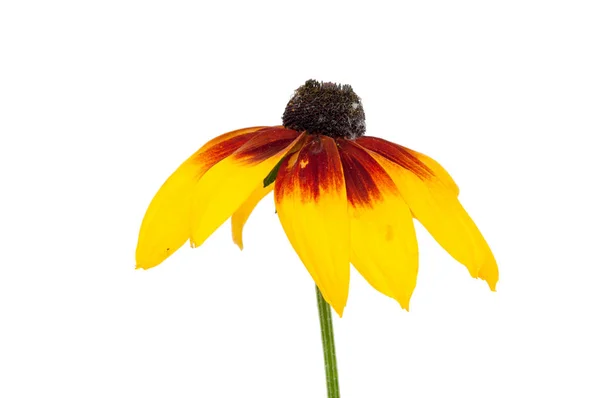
(382, 235)
(239, 218)
(434, 203)
(310, 198)
(166, 225)
(437, 169)
(229, 183)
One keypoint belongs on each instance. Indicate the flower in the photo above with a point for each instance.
(341, 197)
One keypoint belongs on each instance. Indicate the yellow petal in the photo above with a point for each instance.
(166, 225)
(437, 169)
(239, 218)
(310, 198)
(436, 206)
(382, 235)
(229, 183)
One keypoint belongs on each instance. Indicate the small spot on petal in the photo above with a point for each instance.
(389, 233)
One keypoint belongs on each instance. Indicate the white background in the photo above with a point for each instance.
(101, 101)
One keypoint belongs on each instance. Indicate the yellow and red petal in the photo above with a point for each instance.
(229, 183)
(166, 224)
(440, 173)
(310, 197)
(382, 235)
(239, 218)
(434, 203)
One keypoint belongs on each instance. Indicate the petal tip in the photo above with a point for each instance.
(144, 266)
(236, 236)
(489, 273)
(404, 302)
(474, 271)
(239, 244)
(145, 261)
(339, 311)
(492, 284)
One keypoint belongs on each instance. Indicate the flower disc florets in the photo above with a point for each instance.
(326, 108)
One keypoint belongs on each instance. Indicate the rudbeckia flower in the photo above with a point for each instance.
(342, 198)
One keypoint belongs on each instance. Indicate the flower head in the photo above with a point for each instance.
(342, 198)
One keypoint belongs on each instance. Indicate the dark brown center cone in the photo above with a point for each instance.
(326, 108)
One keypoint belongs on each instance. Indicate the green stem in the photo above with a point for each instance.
(333, 388)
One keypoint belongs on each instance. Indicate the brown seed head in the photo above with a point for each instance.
(326, 108)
